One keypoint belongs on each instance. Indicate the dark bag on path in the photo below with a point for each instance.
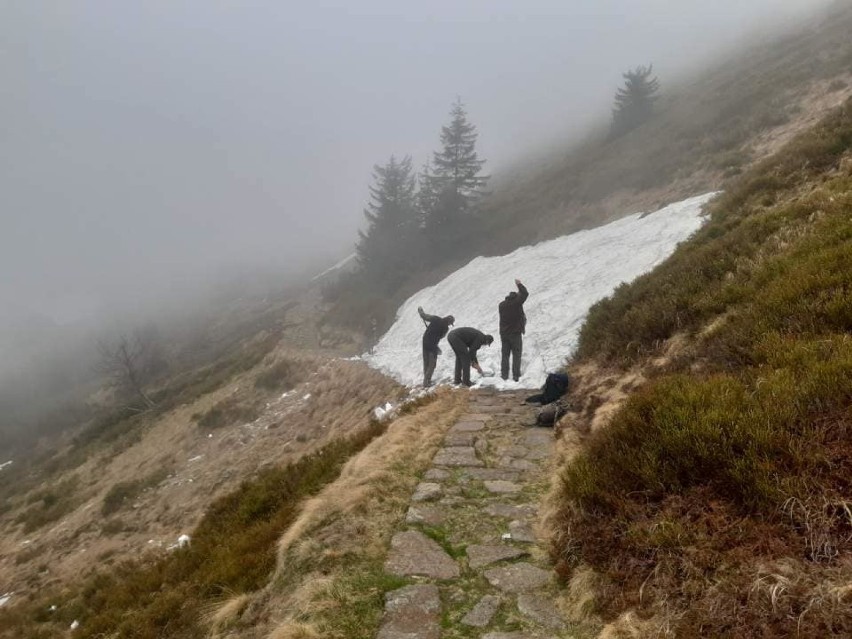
(550, 414)
(555, 386)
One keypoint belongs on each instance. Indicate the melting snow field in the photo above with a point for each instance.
(564, 276)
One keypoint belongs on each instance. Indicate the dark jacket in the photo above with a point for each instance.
(513, 321)
(435, 331)
(469, 337)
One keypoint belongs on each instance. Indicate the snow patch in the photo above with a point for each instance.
(565, 277)
(4, 599)
(306, 397)
(381, 411)
(4, 464)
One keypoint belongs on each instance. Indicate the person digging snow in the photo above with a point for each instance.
(513, 324)
(436, 328)
(465, 341)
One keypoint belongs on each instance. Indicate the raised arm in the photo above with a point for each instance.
(425, 316)
(523, 293)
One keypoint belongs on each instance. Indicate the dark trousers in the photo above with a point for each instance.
(430, 360)
(462, 360)
(513, 344)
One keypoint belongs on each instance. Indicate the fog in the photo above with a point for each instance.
(150, 148)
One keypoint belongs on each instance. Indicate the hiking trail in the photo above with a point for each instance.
(468, 543)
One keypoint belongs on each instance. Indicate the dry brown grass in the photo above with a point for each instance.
(200, 468)
(631, 626)
(329, 576)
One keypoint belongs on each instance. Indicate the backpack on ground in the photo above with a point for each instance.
(555, 386)
(550, 414)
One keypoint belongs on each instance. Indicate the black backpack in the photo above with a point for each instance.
(555, 386)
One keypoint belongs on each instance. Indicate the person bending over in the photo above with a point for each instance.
(466, 341)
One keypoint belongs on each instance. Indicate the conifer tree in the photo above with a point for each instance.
(634, 102)
(457, 164)
(455, 182)
(427, 193)
(392, 224)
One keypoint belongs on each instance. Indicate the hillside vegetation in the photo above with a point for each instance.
(716, 502)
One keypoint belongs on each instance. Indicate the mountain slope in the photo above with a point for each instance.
(715, 501)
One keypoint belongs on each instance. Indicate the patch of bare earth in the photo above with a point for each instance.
(190, 467)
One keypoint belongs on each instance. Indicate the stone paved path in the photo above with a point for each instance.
(469, 547)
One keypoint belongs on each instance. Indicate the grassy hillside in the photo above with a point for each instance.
(716, 502)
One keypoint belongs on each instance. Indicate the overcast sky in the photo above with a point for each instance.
(147, 143)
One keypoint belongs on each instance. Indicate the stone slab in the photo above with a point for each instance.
(520, 577)
(412, 612)
(476, 417)
(522, 531)
(414, 554)
(538, 437)
(541, 609)
(467, 427)
(460, 439)
(491, 474)
(502, 487)
(511, 511)
(479, 556)
(480, 445)
(539, 452)
(427, 491)
(436, 474)
(457, 456)
(428, 514)
(483, 612)
(511, 463)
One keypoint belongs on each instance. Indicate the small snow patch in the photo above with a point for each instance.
(4, 464)
(196, 458)
(307, 397)
(74, 625)
(380, 412)
(4, 599)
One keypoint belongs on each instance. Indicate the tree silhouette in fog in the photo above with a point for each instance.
(385, 246)
(455, 182)
(634, 102)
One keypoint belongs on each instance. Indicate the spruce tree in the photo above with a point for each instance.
(457, 164)
(455, 182)
(634, 102)
(384, 247)
(427, 193)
